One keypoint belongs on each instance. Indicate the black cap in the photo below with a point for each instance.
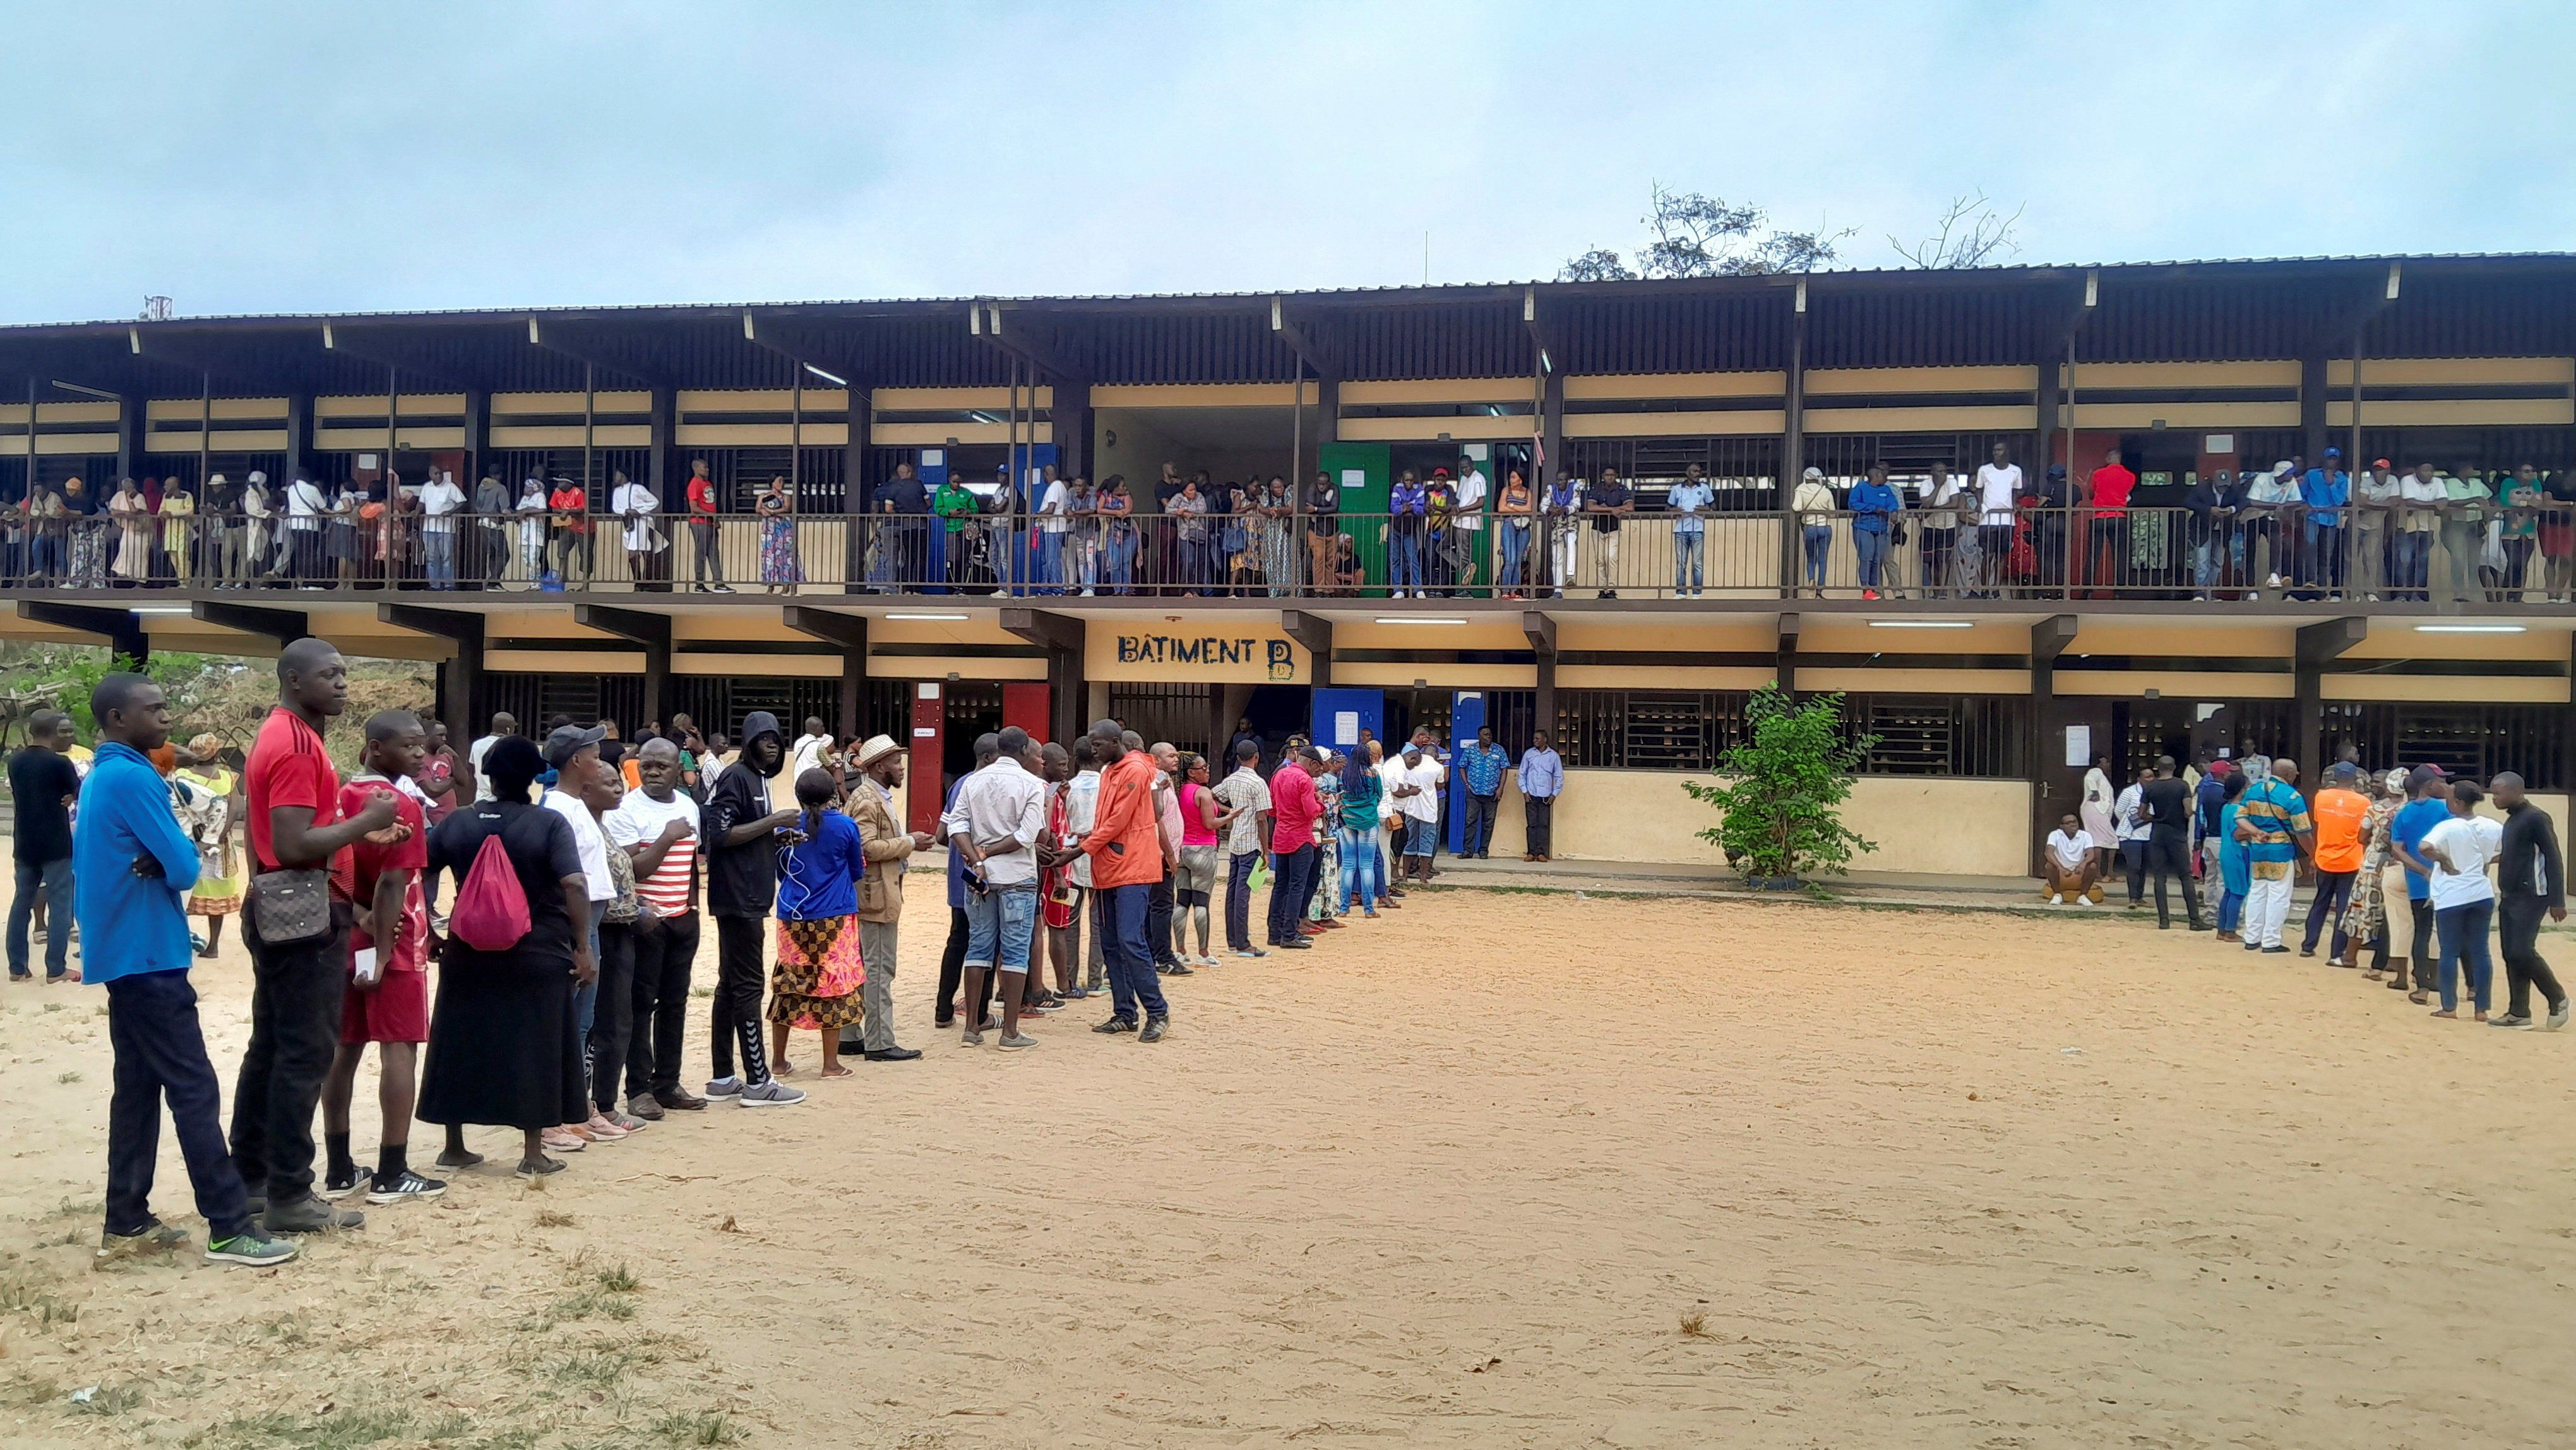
(567, 741)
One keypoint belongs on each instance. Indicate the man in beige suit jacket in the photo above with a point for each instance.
(888, 848)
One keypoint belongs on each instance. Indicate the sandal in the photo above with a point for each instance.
(2418, 998)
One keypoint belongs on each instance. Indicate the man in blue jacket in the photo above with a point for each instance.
(132, 868)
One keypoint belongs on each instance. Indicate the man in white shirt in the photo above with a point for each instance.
(1054, 517)
(2274, 512)
(2457, 853)
(2411, 566)
(504, 725)
(657, 827)
(2070, 863)
(574, 754)
(807, 753)
(2128, 824)
(1999, 484)
(305, 506)
(1466, 541)
(2375, 493)
(1943, 496)
(1419, 804)
(440, 501)
(635, 504)
(994, 824)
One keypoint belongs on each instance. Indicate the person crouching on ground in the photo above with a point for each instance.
(2071, 864)
(134, 869)
(815, 983)
(387, 1002)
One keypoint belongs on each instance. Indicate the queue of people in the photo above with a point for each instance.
(2404, 863)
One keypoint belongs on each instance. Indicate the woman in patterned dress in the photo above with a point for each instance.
(780, 572)
(815, 983)
(2369, 900)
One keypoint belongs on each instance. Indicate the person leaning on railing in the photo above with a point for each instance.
(1815, 505)
(1937, 506)
(1875, 506)
(2217, 545)
(2520, 537)
(2374, 508)
(2465, 507)
(1512, 509)
(1688, 499)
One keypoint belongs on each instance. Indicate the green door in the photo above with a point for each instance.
(1363, 473)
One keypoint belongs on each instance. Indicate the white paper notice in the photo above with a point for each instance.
(1346, 727)
(1354, 478)
(2079, 745)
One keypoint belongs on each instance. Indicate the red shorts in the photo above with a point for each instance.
(397, 1011)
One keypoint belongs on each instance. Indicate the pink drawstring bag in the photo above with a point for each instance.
(491, 912)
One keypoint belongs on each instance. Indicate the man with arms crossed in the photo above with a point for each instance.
(1128, 855)
(888, 847)
(657, 827)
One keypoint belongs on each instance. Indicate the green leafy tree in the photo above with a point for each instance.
(1782, 787)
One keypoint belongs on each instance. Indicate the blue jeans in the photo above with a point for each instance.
(1131, 961)
(1359, 868)
(2410, 563)
(1819, 542)
(441, 548)
(2231, 910)
(2325, 554)
(2205, 556)
(1689, 550)
(1050, 561)
(2463, 931)
(1004, 917)
(1515, 552)
(56, 878)
(1404, 562)
(1871, 545)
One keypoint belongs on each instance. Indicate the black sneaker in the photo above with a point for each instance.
(1155, 1027)
(403, 1187)
(341, 1182)
(309, 1215)
(1178, 969)
(539, 1166)
(2509, 1020)
(1116, 1025)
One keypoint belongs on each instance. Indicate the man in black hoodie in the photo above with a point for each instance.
(741, 832)
(2531, 880)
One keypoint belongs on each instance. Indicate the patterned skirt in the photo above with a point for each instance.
(815, 982)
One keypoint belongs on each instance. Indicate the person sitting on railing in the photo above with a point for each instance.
(1875, 506)
(2218, 546)
(1408, 505)
(1814, 504)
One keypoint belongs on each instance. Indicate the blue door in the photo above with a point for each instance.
(1341, 714)
(1466, 717)
(933, 472)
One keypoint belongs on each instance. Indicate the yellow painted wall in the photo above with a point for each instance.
(1959, 827)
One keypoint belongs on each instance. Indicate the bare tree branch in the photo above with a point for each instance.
(1969, 234)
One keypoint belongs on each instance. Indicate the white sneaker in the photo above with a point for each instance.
(1086, 594)
(2057, 898)
(2274, 582)
(2086, 901)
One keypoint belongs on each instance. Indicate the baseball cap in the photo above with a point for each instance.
(568, 740)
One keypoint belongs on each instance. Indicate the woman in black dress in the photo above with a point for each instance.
(501, 1037)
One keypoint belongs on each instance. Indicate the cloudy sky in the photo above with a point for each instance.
(258, 158)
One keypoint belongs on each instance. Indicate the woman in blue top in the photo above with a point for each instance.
(815, 984)
(1874, 506)
(1356, 833)
(2235, 873)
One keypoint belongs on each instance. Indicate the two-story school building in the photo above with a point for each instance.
(2076, 632)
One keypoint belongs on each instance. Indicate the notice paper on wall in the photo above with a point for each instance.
(1346, 727)
(2079, 745)
(1354, 478)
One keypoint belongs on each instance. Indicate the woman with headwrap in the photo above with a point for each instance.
(208, 805)
(502, 1048)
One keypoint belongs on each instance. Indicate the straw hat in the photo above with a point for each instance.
(877, 748)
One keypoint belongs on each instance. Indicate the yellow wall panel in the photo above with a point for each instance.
(1442, 390)
(2179, 415)
(2183, 375)
(2455, 412)
(1656, 386)
(921, 400)
(2004, 378)
(1388, 430)
(1750, 422)
(934, 435)
(2004, 419)
(1200, 395)
(2424, 372)
(2180, 684)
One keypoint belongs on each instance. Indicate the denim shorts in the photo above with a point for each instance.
(1005, 916)
(1417, 835)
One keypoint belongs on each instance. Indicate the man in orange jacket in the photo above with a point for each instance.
(1128, 854)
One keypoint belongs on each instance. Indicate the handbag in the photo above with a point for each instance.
(291, 907)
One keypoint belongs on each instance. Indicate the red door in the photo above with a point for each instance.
(929, 741)
(1027, 706)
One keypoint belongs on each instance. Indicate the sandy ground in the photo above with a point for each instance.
(1501, 1169)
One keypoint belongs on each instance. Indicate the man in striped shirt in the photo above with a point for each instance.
(2273, 823)
(657, 827)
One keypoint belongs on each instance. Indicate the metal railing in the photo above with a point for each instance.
(2481, 554)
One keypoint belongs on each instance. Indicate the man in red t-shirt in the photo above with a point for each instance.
(704, 532)
(388, 1004)
(295, 823)
(1294, 805)
(2107, 561)
(571, 505)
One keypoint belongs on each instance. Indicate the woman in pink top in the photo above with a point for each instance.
(1192, 886)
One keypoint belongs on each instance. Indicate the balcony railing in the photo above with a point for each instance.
(2500, 556)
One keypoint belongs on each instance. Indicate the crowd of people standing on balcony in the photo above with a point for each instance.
(2291, 530)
